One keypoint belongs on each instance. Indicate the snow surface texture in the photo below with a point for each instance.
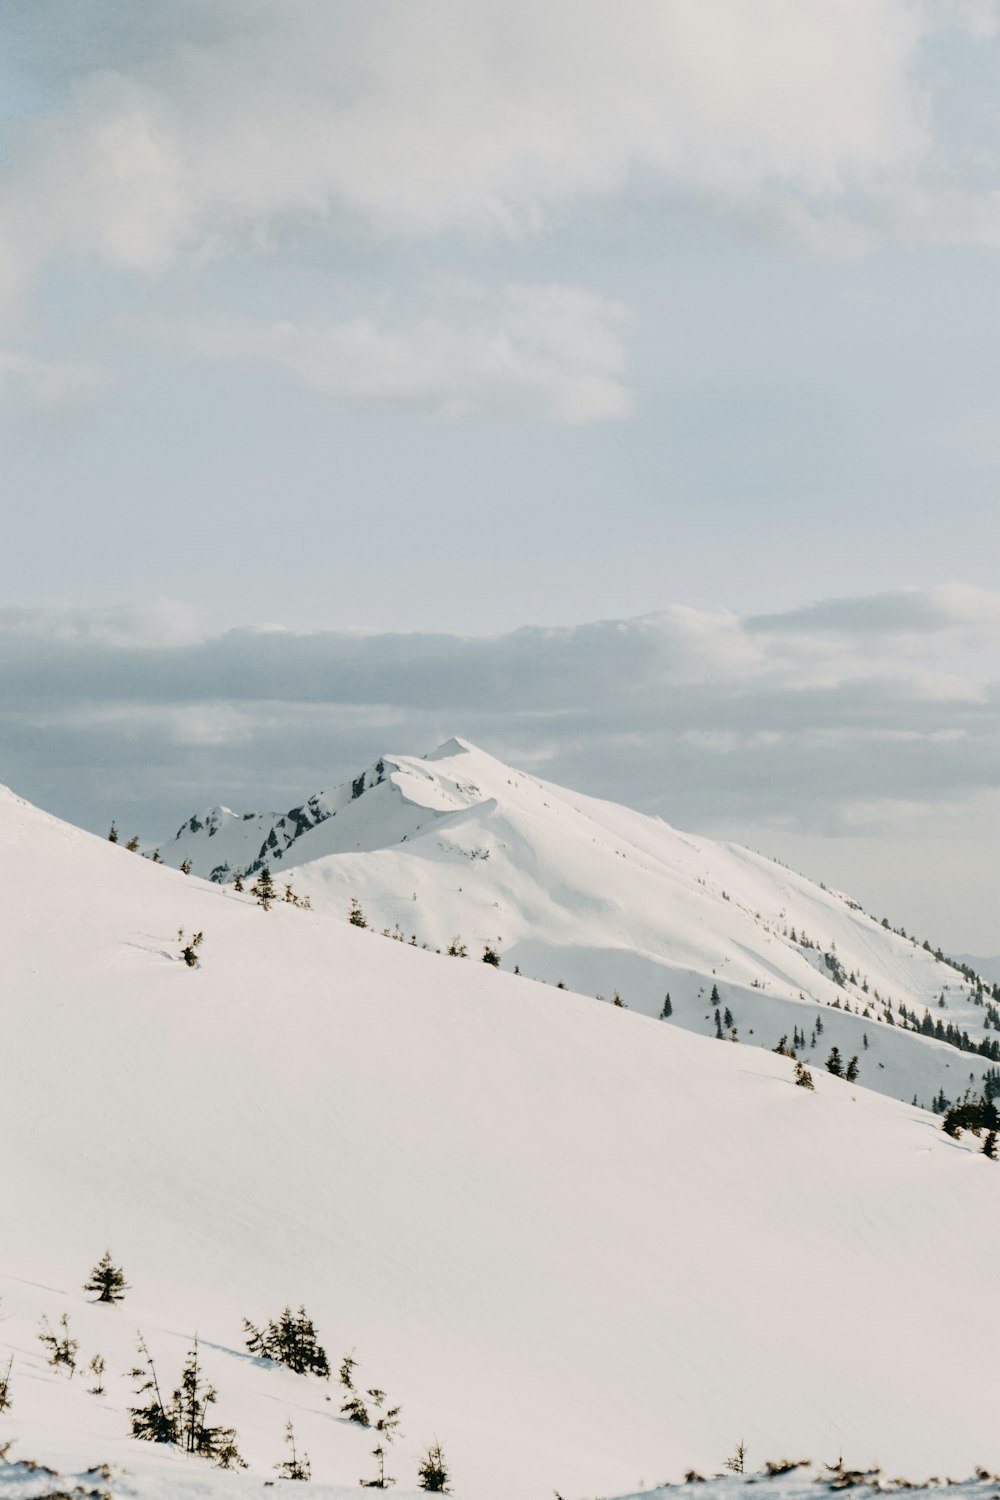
(585, 1250)
(605, 899)
(159, 1481)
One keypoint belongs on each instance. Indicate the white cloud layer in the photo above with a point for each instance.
(551, 352)
(873, 723)
(464, 114)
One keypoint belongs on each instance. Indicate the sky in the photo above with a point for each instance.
(615, 385)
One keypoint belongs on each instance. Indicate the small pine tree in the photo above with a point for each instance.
(355, 1410)
(155, 1422)
(738, 1461)
(356, 916)
(989, 1147)
(113, 833)
(291, 1341)
(433, 1472)
(156, 857)
(294, 1467)
(107, 1280)
(457, 949)
(714, 998)
(96, 1368)
(834, 1064)
(668, 1008)
(347, 1367)
(851, 1072)
(133, 844)
(6, 1400)
(185, 866)
(616, 999)
(491, 956)
(238, 883)
(386, 1425)
(382, 1480)
(803, 1077)
(192, 1402)
(189, 950)
(388, 1419)
(263, 889)
(61, 1346)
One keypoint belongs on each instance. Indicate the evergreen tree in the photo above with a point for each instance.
(852, 1070)
(990, 1145)
(113, 833)
(192, 1402)
(238, 883)
(714, 998)
(382, 1481)
(96, 1368)
(738, 1461)
(155, 1422)
(834, 1063)
(356, 916)
(291, 1341)
(6, 1400)
(156, 857)
(386, 1425)
(185, 866)
(189, 950)
(107, 1280)
(491, 956)
(727, 1019)
(184, 1419)
(62, 1346)
(294, 1467)
(354, 1409)
(133, 844)
(433, 1472)
(803, 1077)
(295, 900)
(263, 889)
(668, 1008)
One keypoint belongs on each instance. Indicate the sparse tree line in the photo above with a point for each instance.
(266, 894)
(182, 1416)
(978, 1115)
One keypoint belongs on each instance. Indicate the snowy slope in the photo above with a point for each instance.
(151, 1479)
(584, 1249)
(604, 899)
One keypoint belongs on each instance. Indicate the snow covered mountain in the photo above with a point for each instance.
(584, 1249)
(572, 890)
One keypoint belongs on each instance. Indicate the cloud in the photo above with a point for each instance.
(45, 384)
(553, 352)
(702, 717)
(899, 611)
(226, 124)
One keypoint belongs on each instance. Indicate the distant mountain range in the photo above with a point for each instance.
(457, 849)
